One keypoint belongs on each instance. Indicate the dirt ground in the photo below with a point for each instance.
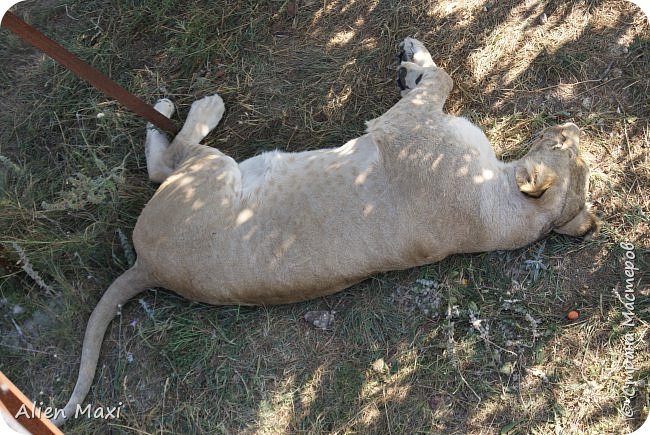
(473, 344)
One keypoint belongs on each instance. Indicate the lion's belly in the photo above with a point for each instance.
(263, 260)
(302, 226)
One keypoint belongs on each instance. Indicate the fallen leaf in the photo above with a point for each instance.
(292, 9)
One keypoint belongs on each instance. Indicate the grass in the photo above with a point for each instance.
(482, 347)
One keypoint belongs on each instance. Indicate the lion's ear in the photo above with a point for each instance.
(534, 178)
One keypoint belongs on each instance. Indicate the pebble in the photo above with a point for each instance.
(379, 366)
(17, 310)
(320, 319)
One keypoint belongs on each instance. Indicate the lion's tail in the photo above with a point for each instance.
(127, 285)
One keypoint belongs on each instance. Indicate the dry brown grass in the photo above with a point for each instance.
(302, 75)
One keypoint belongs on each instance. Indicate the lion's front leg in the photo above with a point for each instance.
(418, 71)
(414, 59)
(203, 117)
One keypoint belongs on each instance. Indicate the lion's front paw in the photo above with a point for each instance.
(412, 50)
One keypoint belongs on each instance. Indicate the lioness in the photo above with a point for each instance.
(285, 227)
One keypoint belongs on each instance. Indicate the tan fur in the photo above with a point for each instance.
(285, 227)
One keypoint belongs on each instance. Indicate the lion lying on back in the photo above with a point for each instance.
(285, 227)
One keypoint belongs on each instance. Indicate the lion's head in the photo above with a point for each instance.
(554, 174)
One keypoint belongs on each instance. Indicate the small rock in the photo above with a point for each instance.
(586, 102)
(320, 319)
(17, 310)
(507, 368)
(380, 366)
(538, 373)
(543, 18)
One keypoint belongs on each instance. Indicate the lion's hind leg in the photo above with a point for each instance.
(156, 143)
(203, 117)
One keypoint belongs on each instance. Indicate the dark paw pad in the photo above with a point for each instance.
(402, 56)
(401, 78)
